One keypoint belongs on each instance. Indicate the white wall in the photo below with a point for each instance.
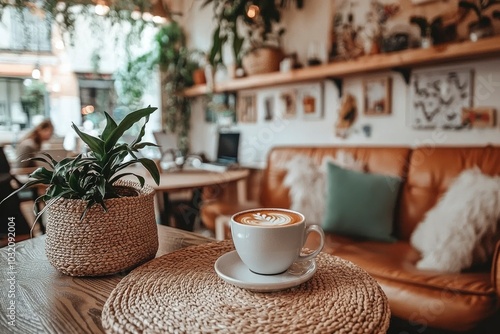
(313, 24)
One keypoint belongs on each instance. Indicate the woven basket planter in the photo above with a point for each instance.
(102, 243)
(262, 60)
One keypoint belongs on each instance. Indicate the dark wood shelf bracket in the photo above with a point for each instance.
(405, 73)
(338, 83)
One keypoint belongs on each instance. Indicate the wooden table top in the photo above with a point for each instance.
(170, 181)
(46, 301)
(189, 179)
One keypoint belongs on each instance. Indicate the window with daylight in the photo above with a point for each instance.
(26, 31)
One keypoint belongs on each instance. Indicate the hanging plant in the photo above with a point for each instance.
(259, 19)
(106, 15)
(177, 65)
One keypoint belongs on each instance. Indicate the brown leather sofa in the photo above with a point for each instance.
(456, 302)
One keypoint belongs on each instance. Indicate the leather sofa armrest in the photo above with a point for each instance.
(495, 269)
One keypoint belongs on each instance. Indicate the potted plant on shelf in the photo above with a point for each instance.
(483, 27)
(98, 223)
(262, 52)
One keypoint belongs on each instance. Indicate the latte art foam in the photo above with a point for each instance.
(268, 218)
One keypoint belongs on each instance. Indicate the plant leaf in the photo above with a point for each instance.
(94, 143)
(141, 179)
(126, 124)
(110, 126)
(152, 169)
(24, 186)
(140, 146)
(469, 5)
(141, 133)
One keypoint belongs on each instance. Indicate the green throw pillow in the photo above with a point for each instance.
(360, 204)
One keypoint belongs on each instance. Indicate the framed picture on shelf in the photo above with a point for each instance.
(377, 96)
(287, 103)
(247, 108)
(311, 101)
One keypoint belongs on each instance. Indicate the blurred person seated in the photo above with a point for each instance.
(32, 142)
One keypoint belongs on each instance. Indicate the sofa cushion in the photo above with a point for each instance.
(360, 204)
(431, 170)
(461, 230)
(384, 160)
(307, 182)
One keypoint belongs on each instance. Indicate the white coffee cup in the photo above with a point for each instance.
(270, 240)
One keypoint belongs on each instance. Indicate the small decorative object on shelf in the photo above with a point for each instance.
(435, 31)
(97, 223)
(259, 17)
(313, 54)
(483, 26)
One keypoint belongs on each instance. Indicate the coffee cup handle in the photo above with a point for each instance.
(319, 230)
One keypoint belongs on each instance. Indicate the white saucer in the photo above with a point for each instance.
(231, 269)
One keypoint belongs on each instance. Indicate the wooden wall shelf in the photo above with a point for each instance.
(402, 61)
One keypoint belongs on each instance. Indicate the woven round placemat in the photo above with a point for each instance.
(180, 292)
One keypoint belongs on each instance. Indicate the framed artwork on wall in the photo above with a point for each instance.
(437, 98)
(377, 96)
(247, 108)
(287, 103)
(479, 117)
(269, 108)
(311, 101)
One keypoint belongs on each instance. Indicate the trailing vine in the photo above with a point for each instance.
(66, 14)
(176, 64)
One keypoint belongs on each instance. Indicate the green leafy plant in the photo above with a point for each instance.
(479, 7)
(67, 14)
(177, 64)
(175, 61)
(33, 98)
(91, 176)
(259, 17)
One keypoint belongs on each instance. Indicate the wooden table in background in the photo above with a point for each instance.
(228, 185)
(47, 301)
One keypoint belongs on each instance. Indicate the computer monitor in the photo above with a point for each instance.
(227, 149)
(167, 142)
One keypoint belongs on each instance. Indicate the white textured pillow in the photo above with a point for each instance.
(462, 229)
(307, 183)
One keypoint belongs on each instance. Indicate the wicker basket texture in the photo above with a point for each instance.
(103, 243)
(262, 60)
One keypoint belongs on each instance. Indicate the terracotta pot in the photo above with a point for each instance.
(199, 76)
